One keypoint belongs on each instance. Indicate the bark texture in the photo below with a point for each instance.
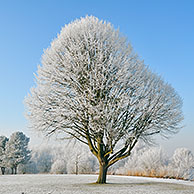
(102, 174)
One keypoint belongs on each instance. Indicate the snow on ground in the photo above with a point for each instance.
(83, 184)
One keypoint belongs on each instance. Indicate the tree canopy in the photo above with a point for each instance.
(91, 86)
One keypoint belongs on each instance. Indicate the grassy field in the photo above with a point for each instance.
(84, 184)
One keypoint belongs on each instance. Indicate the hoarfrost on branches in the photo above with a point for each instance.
(92, 86)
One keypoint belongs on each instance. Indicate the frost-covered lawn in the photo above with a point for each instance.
(83, 184)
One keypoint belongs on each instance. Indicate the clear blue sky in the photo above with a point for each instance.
(161, 32)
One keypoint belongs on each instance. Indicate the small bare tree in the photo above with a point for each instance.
(93, 87)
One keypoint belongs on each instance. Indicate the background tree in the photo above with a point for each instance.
(59, 167)
(146, 161)
(79, 161)
(17, 151)
(42, 157)
(3, 141)
(182, 164)
(93, 87)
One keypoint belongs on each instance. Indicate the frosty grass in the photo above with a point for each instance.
(84, 184)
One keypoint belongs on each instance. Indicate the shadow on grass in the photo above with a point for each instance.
(159, 185)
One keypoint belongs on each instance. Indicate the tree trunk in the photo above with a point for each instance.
(76, 167)
(102, 174)
(76, 164)
(3, 170)
(15, 169)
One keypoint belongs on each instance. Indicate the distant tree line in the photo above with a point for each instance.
(70, 158)
(154, 162)
(76, 159)
(73, 158)
(13, 151)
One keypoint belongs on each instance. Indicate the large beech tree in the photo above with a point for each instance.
(91, 86)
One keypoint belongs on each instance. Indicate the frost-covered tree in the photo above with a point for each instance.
(17, 151)
(3, 141)
(91, 86)
(145, 161)
(153, 162)
(182, 164)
